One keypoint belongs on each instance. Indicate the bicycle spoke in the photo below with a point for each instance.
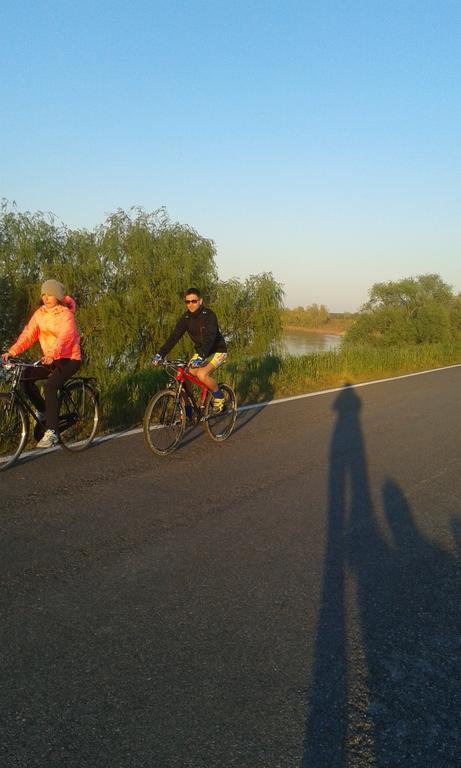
(164, 422)
(220, 425)
(78, 415)
(13, 431)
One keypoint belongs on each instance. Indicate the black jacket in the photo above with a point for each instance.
(202, 327)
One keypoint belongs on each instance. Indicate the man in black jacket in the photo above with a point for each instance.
(201, 324)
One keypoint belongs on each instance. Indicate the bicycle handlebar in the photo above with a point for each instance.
(179, 363)
(13, 362)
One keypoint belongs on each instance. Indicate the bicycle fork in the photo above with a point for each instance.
(171, 419)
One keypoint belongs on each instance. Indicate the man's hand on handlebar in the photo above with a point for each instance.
(157, 359)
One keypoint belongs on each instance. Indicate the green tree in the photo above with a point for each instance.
(410, 311)
(311, 316)
(29, 244)
(128, 277)
(250, 313)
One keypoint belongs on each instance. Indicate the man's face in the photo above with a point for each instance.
(193, 302)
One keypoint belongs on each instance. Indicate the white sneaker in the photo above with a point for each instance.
(49, 439)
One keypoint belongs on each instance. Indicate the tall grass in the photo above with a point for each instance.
(278, 377)
(271, 376)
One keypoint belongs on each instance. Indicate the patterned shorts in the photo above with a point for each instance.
(217, 359)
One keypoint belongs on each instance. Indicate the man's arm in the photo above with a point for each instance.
(174, 337)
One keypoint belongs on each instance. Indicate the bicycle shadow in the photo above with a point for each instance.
(387, 662)
(255, 387)
(32, 453)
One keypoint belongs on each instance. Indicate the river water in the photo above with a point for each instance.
(304, 343)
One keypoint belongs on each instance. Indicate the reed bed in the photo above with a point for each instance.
(272, 376)
(265, 378)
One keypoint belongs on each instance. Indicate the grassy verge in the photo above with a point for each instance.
(291, 375)
(271, 376)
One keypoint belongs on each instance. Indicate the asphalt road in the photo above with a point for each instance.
(288, 599)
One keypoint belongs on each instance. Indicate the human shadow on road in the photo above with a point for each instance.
(387, 665)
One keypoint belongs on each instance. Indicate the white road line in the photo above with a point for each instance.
(351, 386)
(265, 404)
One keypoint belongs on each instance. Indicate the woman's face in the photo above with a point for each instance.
(49, 301)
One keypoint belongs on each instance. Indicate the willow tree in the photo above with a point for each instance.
(127, 276)
(29, 244)
(147, 262)
(250, 313)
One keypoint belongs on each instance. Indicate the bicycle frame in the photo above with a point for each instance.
(182, 376)
(15, 393)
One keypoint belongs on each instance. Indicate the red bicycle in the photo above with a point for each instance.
(165, 416)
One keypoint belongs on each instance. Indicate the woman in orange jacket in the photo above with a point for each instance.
(53, 325)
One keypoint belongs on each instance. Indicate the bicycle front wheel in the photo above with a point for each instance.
(14, 430)
(220, 425)
(164, 422)
(78, 415)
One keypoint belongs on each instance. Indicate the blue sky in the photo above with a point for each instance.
(316, 140)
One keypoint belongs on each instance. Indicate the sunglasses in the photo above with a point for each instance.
(192, 301)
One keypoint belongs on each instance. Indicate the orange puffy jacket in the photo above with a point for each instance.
(56, 331)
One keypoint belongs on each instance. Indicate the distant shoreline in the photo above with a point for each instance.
(332, 329)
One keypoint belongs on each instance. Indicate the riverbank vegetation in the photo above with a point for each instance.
(263, 379)
(316, 318)
(128, 275)
(406, 326)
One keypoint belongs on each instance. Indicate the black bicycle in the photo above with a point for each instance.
(78, 413)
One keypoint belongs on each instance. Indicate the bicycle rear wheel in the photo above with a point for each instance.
(78, 415)
(164, 422)
(14, 430)
(219, 426)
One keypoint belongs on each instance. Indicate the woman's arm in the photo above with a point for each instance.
(28, 336)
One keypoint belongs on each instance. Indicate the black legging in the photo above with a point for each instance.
(55, 374)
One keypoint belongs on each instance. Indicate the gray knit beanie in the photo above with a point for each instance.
(53, 288)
